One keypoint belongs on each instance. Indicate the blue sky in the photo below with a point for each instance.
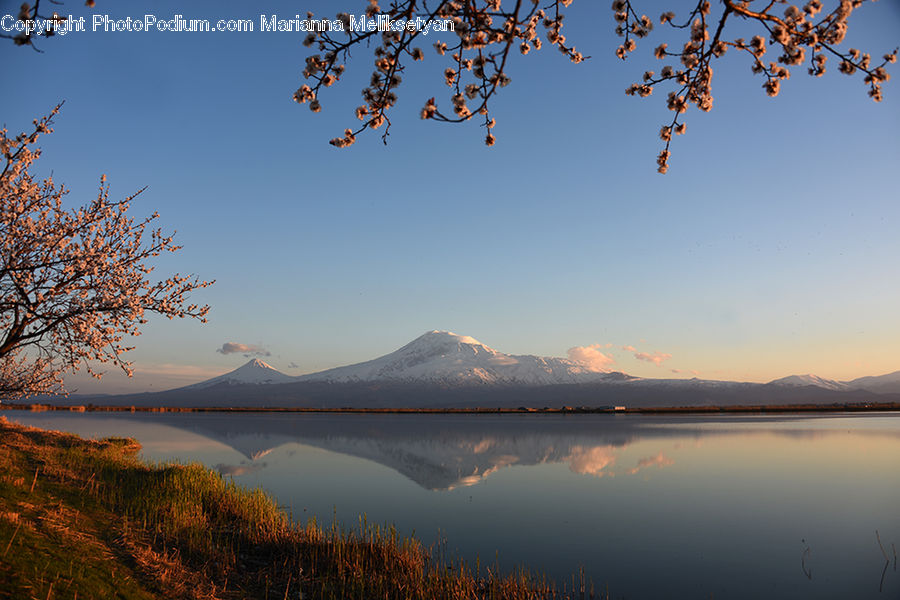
(769, 248)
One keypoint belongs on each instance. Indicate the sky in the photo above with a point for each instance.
(770, 247)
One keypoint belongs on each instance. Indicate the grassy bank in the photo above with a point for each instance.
(87, 519)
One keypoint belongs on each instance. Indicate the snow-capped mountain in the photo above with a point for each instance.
(809, 379)
(879, 384)
(441, 369)
(253, 372)
(447, 358)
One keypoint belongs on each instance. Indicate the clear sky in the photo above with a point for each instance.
(770, 248)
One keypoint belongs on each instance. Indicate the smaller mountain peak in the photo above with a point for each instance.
(809, 379)
(258, 364)
(251, 372)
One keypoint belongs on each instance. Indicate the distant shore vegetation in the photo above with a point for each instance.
(741, 408)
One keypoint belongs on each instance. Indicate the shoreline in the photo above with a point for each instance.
(565, 410)
(87, 518)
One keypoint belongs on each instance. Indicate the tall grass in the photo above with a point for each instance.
(235, 543)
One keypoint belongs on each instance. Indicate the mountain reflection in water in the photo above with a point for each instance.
(676, 506)
(437, 454)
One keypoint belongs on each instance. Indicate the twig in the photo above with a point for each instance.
(806, 571)
(34, 481)
(11, 539)
(878, 537)
(88, 482)
(287, 587)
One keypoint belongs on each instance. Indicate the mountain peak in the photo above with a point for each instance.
(447, 358)
(879, 384)
(257, 364)
(253, 371)
(435, 343)
(807, 380)
(436, 336)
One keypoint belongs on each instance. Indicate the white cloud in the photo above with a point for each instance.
(590, 356)
(657, 358)
(245, 349)
(176, 371)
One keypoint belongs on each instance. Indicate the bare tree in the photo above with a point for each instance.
(488, 32)
(73, 283)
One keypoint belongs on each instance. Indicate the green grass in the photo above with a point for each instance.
(87, 519)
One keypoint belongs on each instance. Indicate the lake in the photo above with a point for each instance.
(726, 506)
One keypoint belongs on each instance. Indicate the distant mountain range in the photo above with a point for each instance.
(880, 384)
(445, 358)
(443, 369)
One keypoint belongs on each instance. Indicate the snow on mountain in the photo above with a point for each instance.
(809, 379)
(693, 382)
(253, 372)
(879, 384)
(447, 358)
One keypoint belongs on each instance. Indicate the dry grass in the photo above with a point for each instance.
(82, 518)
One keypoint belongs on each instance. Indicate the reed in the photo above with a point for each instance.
(84, 518)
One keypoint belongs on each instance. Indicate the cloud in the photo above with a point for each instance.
(656, 358)
(693, 372)
(591, 460)
(245, 349)
(293, 365)
(590, 356)
(660, 460)
(146, 377)
(187, 372)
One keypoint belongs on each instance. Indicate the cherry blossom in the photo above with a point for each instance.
(74, 283)
(486, 33)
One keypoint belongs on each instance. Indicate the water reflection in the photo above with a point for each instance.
(733, 507)
(441, 453)
(446, 452)
(238, 470)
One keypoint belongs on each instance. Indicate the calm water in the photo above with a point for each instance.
(652, 507)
